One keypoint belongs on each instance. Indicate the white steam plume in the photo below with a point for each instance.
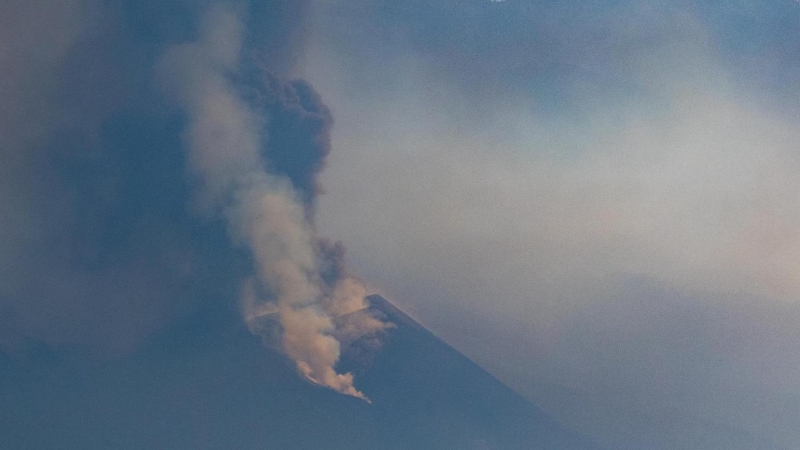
(262, 210)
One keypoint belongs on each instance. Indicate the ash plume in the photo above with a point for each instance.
(256, 144)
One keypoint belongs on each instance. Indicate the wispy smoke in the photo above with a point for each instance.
(255, 145)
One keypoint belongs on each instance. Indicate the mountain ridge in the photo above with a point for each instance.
(209, 384)
(436, 381)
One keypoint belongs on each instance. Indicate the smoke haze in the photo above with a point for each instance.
(596, 201)
(110, 231)
(606, 191)
(265, 210)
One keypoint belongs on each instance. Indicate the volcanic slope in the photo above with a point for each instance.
(209, 384)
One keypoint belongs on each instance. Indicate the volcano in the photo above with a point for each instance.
(209, 384)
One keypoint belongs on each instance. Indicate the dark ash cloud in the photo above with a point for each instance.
(297, 134)
(101, 242)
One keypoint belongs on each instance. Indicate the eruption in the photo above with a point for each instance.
(256, 144)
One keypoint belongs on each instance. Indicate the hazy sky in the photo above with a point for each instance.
(596, 201)
(600, 196)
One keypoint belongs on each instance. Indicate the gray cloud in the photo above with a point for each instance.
(265, 197)
(97, 247)
(101, 243)
(605, 143)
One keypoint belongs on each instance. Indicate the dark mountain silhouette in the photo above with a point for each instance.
(418, 382)
(210, 385)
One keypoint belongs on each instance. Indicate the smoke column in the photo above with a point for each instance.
(232, 130)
